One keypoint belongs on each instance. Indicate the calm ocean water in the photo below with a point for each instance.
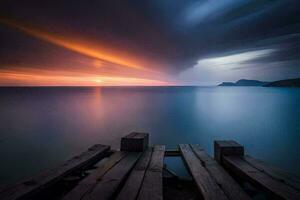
(42, 127)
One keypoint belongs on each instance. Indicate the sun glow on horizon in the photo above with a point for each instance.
(21, 77)
(111, 66)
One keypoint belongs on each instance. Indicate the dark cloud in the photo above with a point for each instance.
(175, 32)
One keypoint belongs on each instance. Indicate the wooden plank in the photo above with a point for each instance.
(133, 184)
(230, 187)
(277, 189)
(87, 184)
(205, 183)
(111, 180)
(152, 188)
(279, 174)
(50, 177)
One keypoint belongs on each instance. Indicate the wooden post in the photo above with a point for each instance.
(227, 148)
(135, 142)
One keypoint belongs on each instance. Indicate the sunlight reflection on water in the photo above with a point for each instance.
(42, 127)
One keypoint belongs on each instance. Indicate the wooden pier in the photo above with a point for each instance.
(138, 171)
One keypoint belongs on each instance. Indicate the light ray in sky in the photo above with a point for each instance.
(79, 47)
(138, 71)
(234, 59)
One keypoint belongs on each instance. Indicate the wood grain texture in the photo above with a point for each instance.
(152, 188)
(87, 184)
(230, 187)
(279, 174)
(205, 183)
(134, 182)
(50, 177)
(109, 183)
(273, 187)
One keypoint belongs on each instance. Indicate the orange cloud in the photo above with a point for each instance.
(35, 77)
(102, 66)
(100, 53)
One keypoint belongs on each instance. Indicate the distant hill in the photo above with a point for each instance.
(227, 84)
(285, 83)
(244, 82)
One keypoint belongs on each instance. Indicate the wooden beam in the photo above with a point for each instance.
(230, 187)
(110, 182)
(134, 182)
(135, 142)
(283, 176)
(273, 187)
(44, 180)
(227, 148)
(87, 184)
(152, 188)
(205, 183)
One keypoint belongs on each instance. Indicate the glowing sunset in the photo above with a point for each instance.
(149, 100)
(129, 69)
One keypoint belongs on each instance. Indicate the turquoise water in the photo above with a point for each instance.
(42, 127)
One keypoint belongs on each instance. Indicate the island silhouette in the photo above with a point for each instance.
(281, 83)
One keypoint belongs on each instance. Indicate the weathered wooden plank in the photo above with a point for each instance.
(277, 189)
(134, 182)
(279, 174)
(230, 187)
(87, 184)
(205, 183)
(135, 142)
(111, 180)
(50, 177)
(152, 188)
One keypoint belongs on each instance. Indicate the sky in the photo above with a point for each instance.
(157, 42)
